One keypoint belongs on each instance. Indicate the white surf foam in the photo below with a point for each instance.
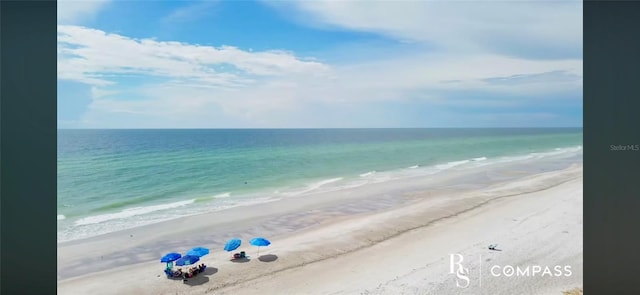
(451, 164)
(222, 196)
(313, 186)
(324, 182)
(368, 174)
(209, 198)
(565, 151)
(61, 217)
(109, 223)
(558, 151)
(130, 212)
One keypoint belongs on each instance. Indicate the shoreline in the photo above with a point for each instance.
(146, 243)
(84, 227)
(315, 244)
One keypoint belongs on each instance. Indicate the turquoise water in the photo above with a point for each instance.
(114, 179)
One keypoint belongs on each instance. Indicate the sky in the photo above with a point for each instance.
(319, 64)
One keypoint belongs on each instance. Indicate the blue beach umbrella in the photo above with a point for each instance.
(170, 257)
(232, 245)
(187, 260)
(260, 242)
(198, 251)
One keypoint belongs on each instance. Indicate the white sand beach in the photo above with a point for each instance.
(400, 245)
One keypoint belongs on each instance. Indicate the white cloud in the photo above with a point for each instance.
(289, 100)
(416, 77)
(433, 71)
(525, 50)
(77, 11)
(546, 28)
(88, 55)
(192, 11)
(97, 92)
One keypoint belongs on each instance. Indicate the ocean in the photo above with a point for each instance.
(110, 180)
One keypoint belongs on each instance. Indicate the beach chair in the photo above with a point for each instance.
(172, 274)
(240, 255)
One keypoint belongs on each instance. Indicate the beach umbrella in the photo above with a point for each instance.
(198, 251)
(170, 257)
(260, 242)
(232, 245)
(187, 260)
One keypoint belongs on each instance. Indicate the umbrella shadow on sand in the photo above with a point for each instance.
(210, 271)
(268, 258)
(240, 260)
(195, 281)
(201, 278)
